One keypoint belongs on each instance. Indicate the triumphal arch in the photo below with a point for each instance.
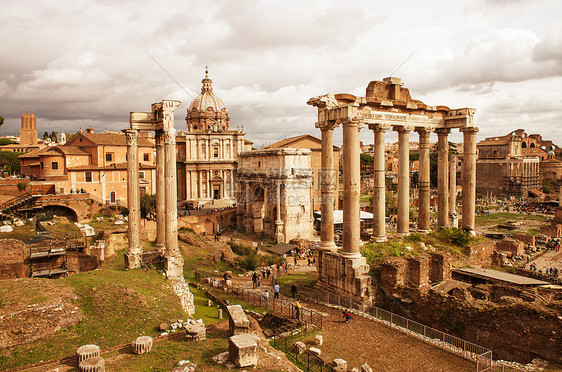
(161, 121)
(386, 105)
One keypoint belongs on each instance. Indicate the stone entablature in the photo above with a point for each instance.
(275, 190)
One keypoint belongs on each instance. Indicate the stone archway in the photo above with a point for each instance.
(112, 197)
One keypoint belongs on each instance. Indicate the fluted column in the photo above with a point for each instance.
(443, 177)
(279, 235)
(379, 185)
(453, 191)
(328, 179)
(403, 225)
(173, 260)
(424, 197)
(133, 256)
(351, 189)
(469, 178)
(160, 193)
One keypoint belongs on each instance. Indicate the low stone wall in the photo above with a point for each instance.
(481, 254)
(208, 224)
(14, 259)
(511, 247)
(77, 262)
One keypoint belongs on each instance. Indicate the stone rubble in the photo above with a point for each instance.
(185, 366)
(181, 289)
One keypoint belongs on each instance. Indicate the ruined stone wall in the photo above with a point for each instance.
(527, 239)
(208, 223)
(418, 272)
(511, 247)
(78, 262)
(481, 254)
(14, 259)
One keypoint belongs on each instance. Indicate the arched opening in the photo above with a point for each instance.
(63, 211)
(524, 145)
(112, 197)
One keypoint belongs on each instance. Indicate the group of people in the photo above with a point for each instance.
(550, 271)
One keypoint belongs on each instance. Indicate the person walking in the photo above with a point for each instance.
(298, 307)
(293, 290)
(276, 290)
(254, 280)
(266, 298)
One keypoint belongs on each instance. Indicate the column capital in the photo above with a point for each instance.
(470, 129)
(159, 137)
(132, 136)
(424, 130)
(326, 125)
(169, 135)
(443, 131)
(378, 127)
(402, 128)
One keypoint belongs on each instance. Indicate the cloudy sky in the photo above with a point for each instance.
(78, 65)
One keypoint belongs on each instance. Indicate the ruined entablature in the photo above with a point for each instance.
(388, 103)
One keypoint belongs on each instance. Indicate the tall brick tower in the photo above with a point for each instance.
(28, 131)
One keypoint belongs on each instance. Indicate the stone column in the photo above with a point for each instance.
(453, 220)
(351, 189)
(469, 178)
(424, 197)
(133, 255)
(160, 193)
(173, 260)
(379, 184)
(403, 225)
(443, 177)
(279, 235)
(328, 183)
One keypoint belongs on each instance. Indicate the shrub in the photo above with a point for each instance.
(250, 262)
(456, 236)
(22, 186)
(239, 249)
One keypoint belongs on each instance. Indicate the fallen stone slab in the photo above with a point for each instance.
(300, 347)
(315, 351)
(195, 331)
(366, 368)
(318, 340)
(243, 350)
(142, 345)
(185, 366)
(238, 322)
(339, 365)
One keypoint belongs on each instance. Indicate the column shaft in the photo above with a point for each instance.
(424, 198)
(133, 259)
(160, 194)
(379, 185)
(173, 263)
(351, 190)
(403, 225)
(328, 177)
(443, 179)
(453, 184)
(469, 178)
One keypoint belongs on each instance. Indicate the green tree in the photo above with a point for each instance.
(414, 156)
(147, 205)
(5, 141)
(1, 120)
(366, 159)
(9, 161)
(54, 136)
(45, 135)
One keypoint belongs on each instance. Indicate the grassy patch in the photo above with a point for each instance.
(23, 233)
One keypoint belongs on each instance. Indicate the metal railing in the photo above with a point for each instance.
(278, 306)
(284, 339)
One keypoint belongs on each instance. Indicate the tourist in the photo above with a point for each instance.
(276, 290)
(268, 272)
(293, 290)
(254, 280)
(347, 315)
(266, 298)
(298, 309)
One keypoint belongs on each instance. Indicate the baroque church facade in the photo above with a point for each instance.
(207, 152)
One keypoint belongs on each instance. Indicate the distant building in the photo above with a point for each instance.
(207, 153)
(314, 144)
(93, 162)
(274, 193)
(502, 167)
(28, 140)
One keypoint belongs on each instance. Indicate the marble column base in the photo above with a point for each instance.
(132, 260)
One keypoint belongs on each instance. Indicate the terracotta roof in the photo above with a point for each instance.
(43, 151)
(55, 150)
(73, 150)
(492, 142)
(111, 139)
(289, 141)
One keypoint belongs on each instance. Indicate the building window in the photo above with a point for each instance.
(143, 190)
(215, 152)
(146, 157)
(141, 175)
(109, 157)
(88, 176)
(41, 165)
(55, 165)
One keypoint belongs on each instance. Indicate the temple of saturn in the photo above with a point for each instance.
(386, 105)
(161, 121)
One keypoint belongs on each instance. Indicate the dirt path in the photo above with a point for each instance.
(384, 349)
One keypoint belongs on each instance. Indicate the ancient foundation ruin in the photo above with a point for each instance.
(386, 105)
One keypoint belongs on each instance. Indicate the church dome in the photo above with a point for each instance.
(207, 111)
